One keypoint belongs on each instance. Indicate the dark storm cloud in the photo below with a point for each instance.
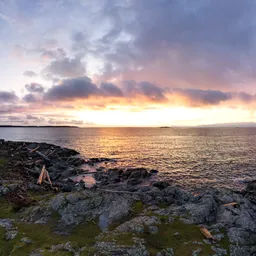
(6, 97)
(151, 91)
(34, 87)
(76, 88)
(30, 98)
(111, 90)
(83, 88)
(65, 68)
(203, 43)
(30, 73)
(204, 97)
(146, 89)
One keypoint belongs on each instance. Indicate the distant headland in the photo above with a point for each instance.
(37, 126)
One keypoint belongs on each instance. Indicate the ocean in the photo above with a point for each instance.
(190, 157)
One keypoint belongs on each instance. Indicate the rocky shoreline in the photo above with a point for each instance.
(93, 210)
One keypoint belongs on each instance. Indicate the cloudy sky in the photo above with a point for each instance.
(127, 63)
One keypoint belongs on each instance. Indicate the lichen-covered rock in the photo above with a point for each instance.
(114, 249)
(26, 240)
(6, 223)
(196, 252)
(204, 210)
(10, 234)
(138, 224)
(236, 250)
(166, 252)
(3, 190)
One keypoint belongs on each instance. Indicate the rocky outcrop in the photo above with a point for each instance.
(121, 215)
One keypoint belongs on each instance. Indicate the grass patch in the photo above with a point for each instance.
(6, 210)
(182, 244)
(43, 237)
(3, 161)
(119, 238)
(224, 243)
(137, 208)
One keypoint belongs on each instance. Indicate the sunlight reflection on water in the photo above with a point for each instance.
(188, 156)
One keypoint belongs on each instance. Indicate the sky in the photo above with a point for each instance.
(127, 63)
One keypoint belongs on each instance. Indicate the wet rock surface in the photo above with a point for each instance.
(125, 213)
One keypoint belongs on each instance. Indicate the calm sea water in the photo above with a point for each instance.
(191, 157)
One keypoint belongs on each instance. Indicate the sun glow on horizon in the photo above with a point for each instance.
(180, 116)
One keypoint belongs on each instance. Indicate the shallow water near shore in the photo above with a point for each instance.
(190, 157)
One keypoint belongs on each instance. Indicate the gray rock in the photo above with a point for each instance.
(242, 237)
(177, 235)
(219, 237)
(108, 248)
(206, 241)
(67, 247)
(6, 223)
(58, 202)
(38, 252)
(196, 252)
(136, 174)
(153, 229)
(3, 190)
(166, 252)
(26, 240)
(242, 250)
(178, 195)
(137, 224)
(219, 251)
(161, 184)
(10, 234)
(134, 181)
(203, 211)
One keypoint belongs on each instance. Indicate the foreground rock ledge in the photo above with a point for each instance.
(150, 220)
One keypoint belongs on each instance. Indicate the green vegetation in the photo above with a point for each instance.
(137, 208)
(183, 238)
(6, 210)
(43, 236)
(224, 243)
(3, 161)
(118, 237)
(181, 243)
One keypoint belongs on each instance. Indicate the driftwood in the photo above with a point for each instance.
(43, 155)
(231, 204)
(45, 178)
(34, 150)
(48, 178)
(206, 233)
(51, 153)
(41, 176)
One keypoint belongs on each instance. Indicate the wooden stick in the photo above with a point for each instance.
(206, 233)
(48, 177)
(34, 150)
(51, 153)
(231, 204)
(42, 155)
(41, 177)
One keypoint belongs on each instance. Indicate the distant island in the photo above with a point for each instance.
(37, 126)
